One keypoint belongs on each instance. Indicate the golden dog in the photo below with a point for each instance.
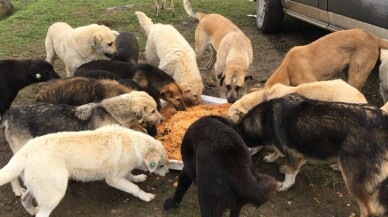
(231, 51)
(161, 4)
(76, 46)
(324, 58)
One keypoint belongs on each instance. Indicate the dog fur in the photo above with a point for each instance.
(149, 77)
(127, 48)
(302, 128)
(76, 46)
(333, 90)
(216, 159)
(24, 122)
(383, 74)
(109, 153)
(323, 59)
(167, 49)
(16, 74)
(78, 91)
(161, 4)
(232, 52)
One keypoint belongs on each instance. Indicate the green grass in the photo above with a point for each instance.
(22, 33)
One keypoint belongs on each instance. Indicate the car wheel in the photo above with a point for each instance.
(269, 15)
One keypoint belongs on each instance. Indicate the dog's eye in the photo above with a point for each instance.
(238, 88)
(110, 44)
(228, 87)
(161, 165)
(178, 99)
(195, 95)
(153, 111)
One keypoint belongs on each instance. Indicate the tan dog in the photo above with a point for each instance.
(326, 57)
(167, 49)
(109, 153)
(333, 91)
(80, 45)
(231, 51)
(161, 4)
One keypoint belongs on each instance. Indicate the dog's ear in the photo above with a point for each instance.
(222, 80)
(185, 87)
(96, 38)
(139, 112)
(151, 160)
(85, 112)
(115, 33)
(248, 77)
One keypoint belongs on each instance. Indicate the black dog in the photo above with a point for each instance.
(217, 160)
(355, 134)
(127, 48)
(149, 77)
(17, 74)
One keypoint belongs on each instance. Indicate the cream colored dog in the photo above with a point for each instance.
(231, 52)
(383, 74)
(109, 153)
(333, 91)
(167, 49)
(161, 4)
(324, 58)
(80, 45)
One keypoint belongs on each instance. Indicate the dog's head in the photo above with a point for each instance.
(155, 159)
(103, 40)
(173, 94)
(191, 94)
(234, 79)
(136, 107)
(41, 70)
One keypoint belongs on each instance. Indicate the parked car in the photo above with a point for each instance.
(371, 15)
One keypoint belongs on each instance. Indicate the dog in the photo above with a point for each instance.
(127, 48)
(16, 74)
(217, 160)
(76, 91)
(231, 54)
(76, 46)
(353, 134)
(109, 153)
(161, 4)
(333, 90)
(353, 50)
(167, 49)
(24, 122)
(383, 74)
(149, 77)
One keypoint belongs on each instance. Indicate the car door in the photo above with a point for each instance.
(371, 15)
(312, 11)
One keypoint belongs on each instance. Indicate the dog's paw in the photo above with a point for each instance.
(139, 178)
(271, 158)
(147, 197)
(335, 167)
(19, 191)
(282, 186)
(211, 83)
(170, 204)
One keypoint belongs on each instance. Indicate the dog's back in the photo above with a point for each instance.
(127, 48)
(120, 69)
(213, 150)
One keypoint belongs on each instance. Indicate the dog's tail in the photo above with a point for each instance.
(383, 43)
(189, 10)
(14, 167)
(383, 54)
(144, 21)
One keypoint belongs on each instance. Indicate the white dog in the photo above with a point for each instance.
(167, 49)
(79, 45)
(109, 153)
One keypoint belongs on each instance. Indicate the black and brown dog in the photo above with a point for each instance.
(356, 135)
(17, 74)
(127, 48)
(217, 160)
(146, 76)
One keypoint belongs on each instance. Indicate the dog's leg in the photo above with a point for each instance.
(26, 200)
(50, 52)
(235, 210)
(129, 187)
(17, 188)
(151, 55)
(172, 7)
(136, 178)
(201, 43)
(184, 183)
(360, 68)
(274, 156)
(157, 7)
(291, 170)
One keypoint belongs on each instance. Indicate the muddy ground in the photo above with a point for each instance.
(318, 192)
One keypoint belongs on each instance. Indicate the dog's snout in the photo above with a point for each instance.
(231, 99)
(161, 120)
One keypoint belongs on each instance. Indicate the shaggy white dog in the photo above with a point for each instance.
(167, 49)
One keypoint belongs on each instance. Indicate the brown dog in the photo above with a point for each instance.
(231, 51)
(324, 58)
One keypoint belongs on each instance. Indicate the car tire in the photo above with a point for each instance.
(269, 15)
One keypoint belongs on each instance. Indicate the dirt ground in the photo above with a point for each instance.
(318, 192)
